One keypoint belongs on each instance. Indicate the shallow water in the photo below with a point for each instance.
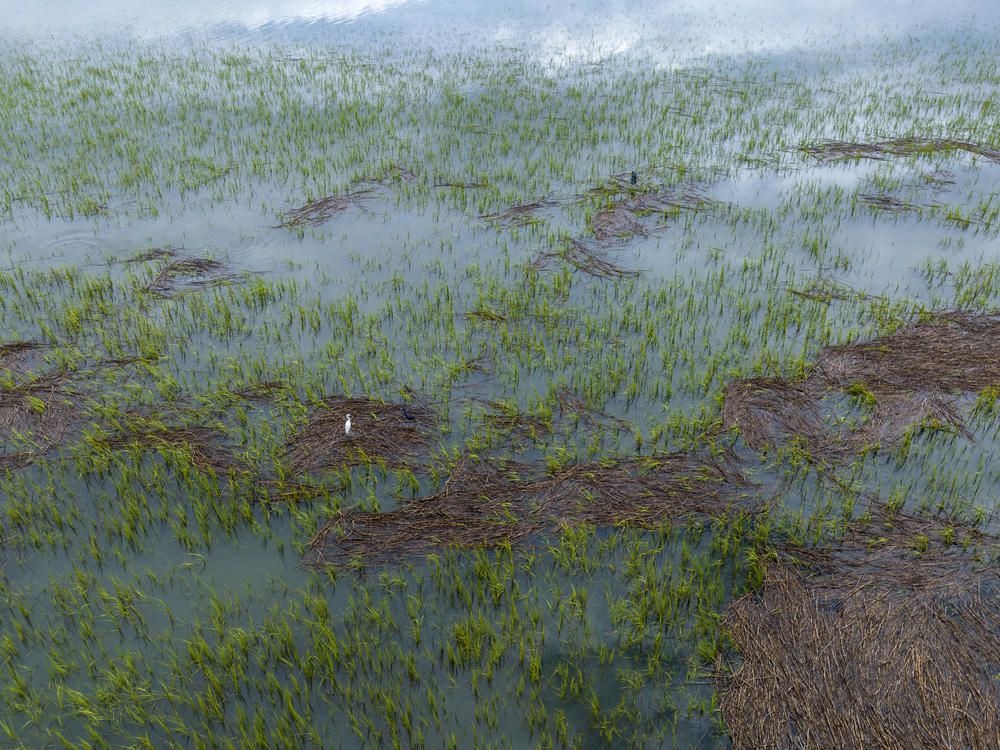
(141, 592)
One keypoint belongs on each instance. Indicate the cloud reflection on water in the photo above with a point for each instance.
(558, 33)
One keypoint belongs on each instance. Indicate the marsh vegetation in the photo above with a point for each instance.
(626, 454)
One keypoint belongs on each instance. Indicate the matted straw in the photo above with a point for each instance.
(486, 503)
(891, 639)
(390, 433)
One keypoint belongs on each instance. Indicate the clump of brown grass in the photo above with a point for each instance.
(896, 414)
(617, 221)
(517, 216)
(322, 210)
(889, 639)
(188, 274)
(41, 411)
(825, 289)
(264, 391)
(768, 409)
(506, 417)
(382, 432)
(909, 376)
(622, 218)
(155, 253)
(205, 446)
(593, 261)
(18, 355)
(884, 202)
(951, 351)
(570, 403)
(485, 504)
(833, 150)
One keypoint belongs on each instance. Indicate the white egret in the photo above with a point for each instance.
(347, 426)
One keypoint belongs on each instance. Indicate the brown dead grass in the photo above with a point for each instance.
(190, 274)
(889, 639)
(592, 417)
(205, 446)
(507, 417)
(484, 504)
(322, 210)
(623, 218)
(593, 261)
(520, 215)
(381, 432)
(952, 351)
(41, 412)
(833, 150)
(912, 376)
(18, 356)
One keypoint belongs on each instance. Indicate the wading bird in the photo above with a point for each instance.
(347, 426)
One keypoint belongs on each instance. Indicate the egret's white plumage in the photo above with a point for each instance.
(347, 425)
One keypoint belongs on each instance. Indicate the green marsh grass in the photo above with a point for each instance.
(151, 592)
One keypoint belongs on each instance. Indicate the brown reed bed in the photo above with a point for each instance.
(205, 446)
(155, 253)
(766, 410)
(895, 414)
(825, 289)
(951, 351)
(322, 210)
(910, 377)
(769, 411)
(393, 434)
(617, 221)
(487, 503)
(884, 202)
(833, 150)
(890, 638)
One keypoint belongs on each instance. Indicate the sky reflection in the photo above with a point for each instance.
(558, 33)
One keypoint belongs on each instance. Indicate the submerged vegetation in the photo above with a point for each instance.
(674, 395)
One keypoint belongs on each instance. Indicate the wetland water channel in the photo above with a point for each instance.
(669, 337)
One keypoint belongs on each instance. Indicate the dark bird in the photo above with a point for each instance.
(635, 178)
